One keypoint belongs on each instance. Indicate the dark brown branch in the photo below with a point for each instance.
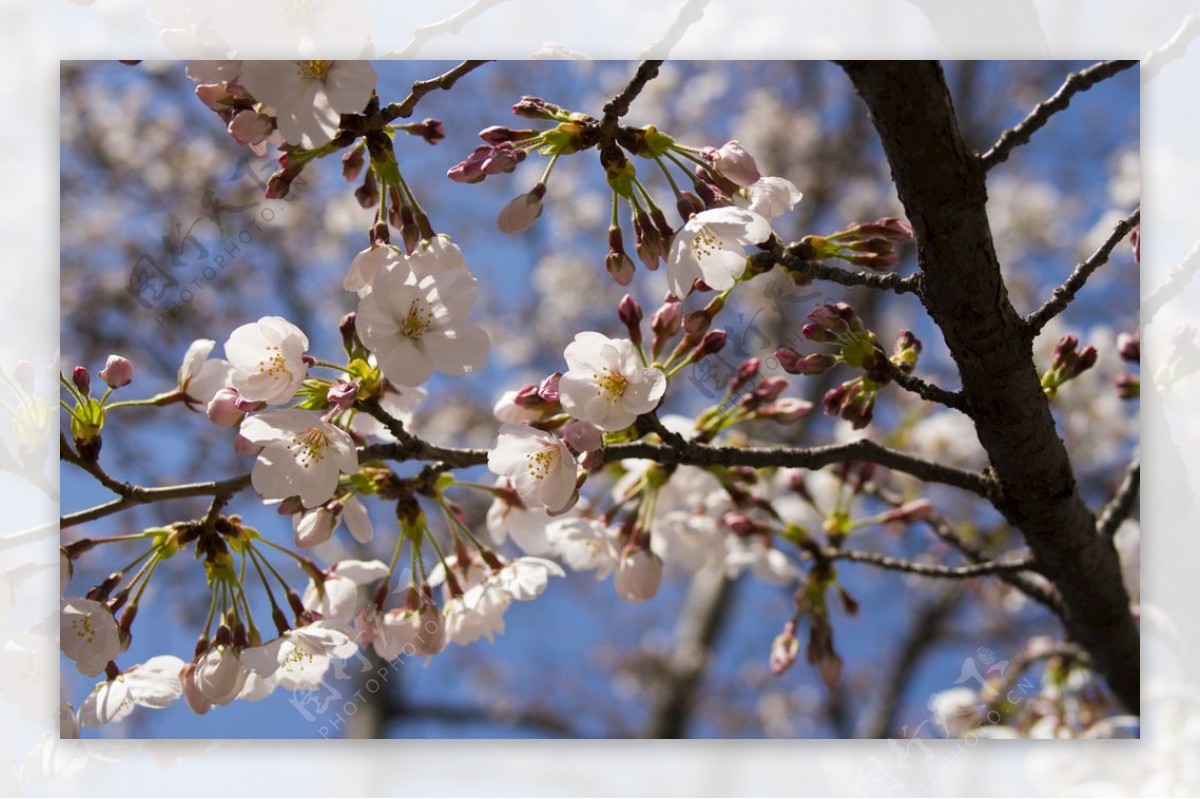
(815, 270)
(618, 106)
(928, 391)
(965, 572)
(1066, 292)
(1121, 505)
(405, 107)
(942, 187)
(805, 457)
(1075, 83)
(137, 495)
(693, 454)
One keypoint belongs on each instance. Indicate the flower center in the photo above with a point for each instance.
(704, 243)
(83, 629)
(314, 70)
(420, 317)
(311, 446)
(273, 364)
(610, 384)
(540, 462)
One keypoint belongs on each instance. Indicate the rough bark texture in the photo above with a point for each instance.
(942, 186)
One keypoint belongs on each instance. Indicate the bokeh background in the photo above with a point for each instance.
(143, 162)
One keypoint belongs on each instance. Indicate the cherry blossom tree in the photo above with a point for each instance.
(897, 415)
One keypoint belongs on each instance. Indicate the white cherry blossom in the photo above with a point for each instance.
(639, 575)
(219, 675)
(584, 545)
(418, 325)
(88, 634)
(525, 526)
(606, 382)
(201, 377)
(769, 197)
(367, 264)
(538, 464)
(299, 658)
(302, 455)
(153, 684)
(711, 247)
(267, 360)
(309, 97)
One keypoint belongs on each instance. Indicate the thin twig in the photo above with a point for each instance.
(618, 106)
(445, 81)
(692, 454)
(928, 391)
(1026, 584)
(981, 569)
(1075, 83)
(887, 281)
(138, 495)
(1066, 292)
(1121, 505)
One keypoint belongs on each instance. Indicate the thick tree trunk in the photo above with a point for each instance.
(943, 188)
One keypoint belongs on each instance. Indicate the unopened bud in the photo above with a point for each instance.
(82, 380)
(713, 342)
(342, 395)
(630, 314)
(117, 372)
(352, 164)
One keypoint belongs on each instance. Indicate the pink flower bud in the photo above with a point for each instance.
(1129, 387)
(1136, 240)
(732, 161)
(786, 410)
(352, 164)
(547, 390)
(688, 205)
(785, 649)
(117, 372)
(342, 395)
(82, 380)
(713, 342)
(638, 575)
(223, 409)
(536, 108)
(620, 266)
(522, 211)
(918, 510)
(497, 134)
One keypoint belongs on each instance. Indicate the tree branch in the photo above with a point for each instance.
(445, 81)
(1066, 292)
(137, 495)
(618, 106)
(942, 187)
(815, 270)
(1075, 83)
(928, 391)
(1121, 505)
(982, 569)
